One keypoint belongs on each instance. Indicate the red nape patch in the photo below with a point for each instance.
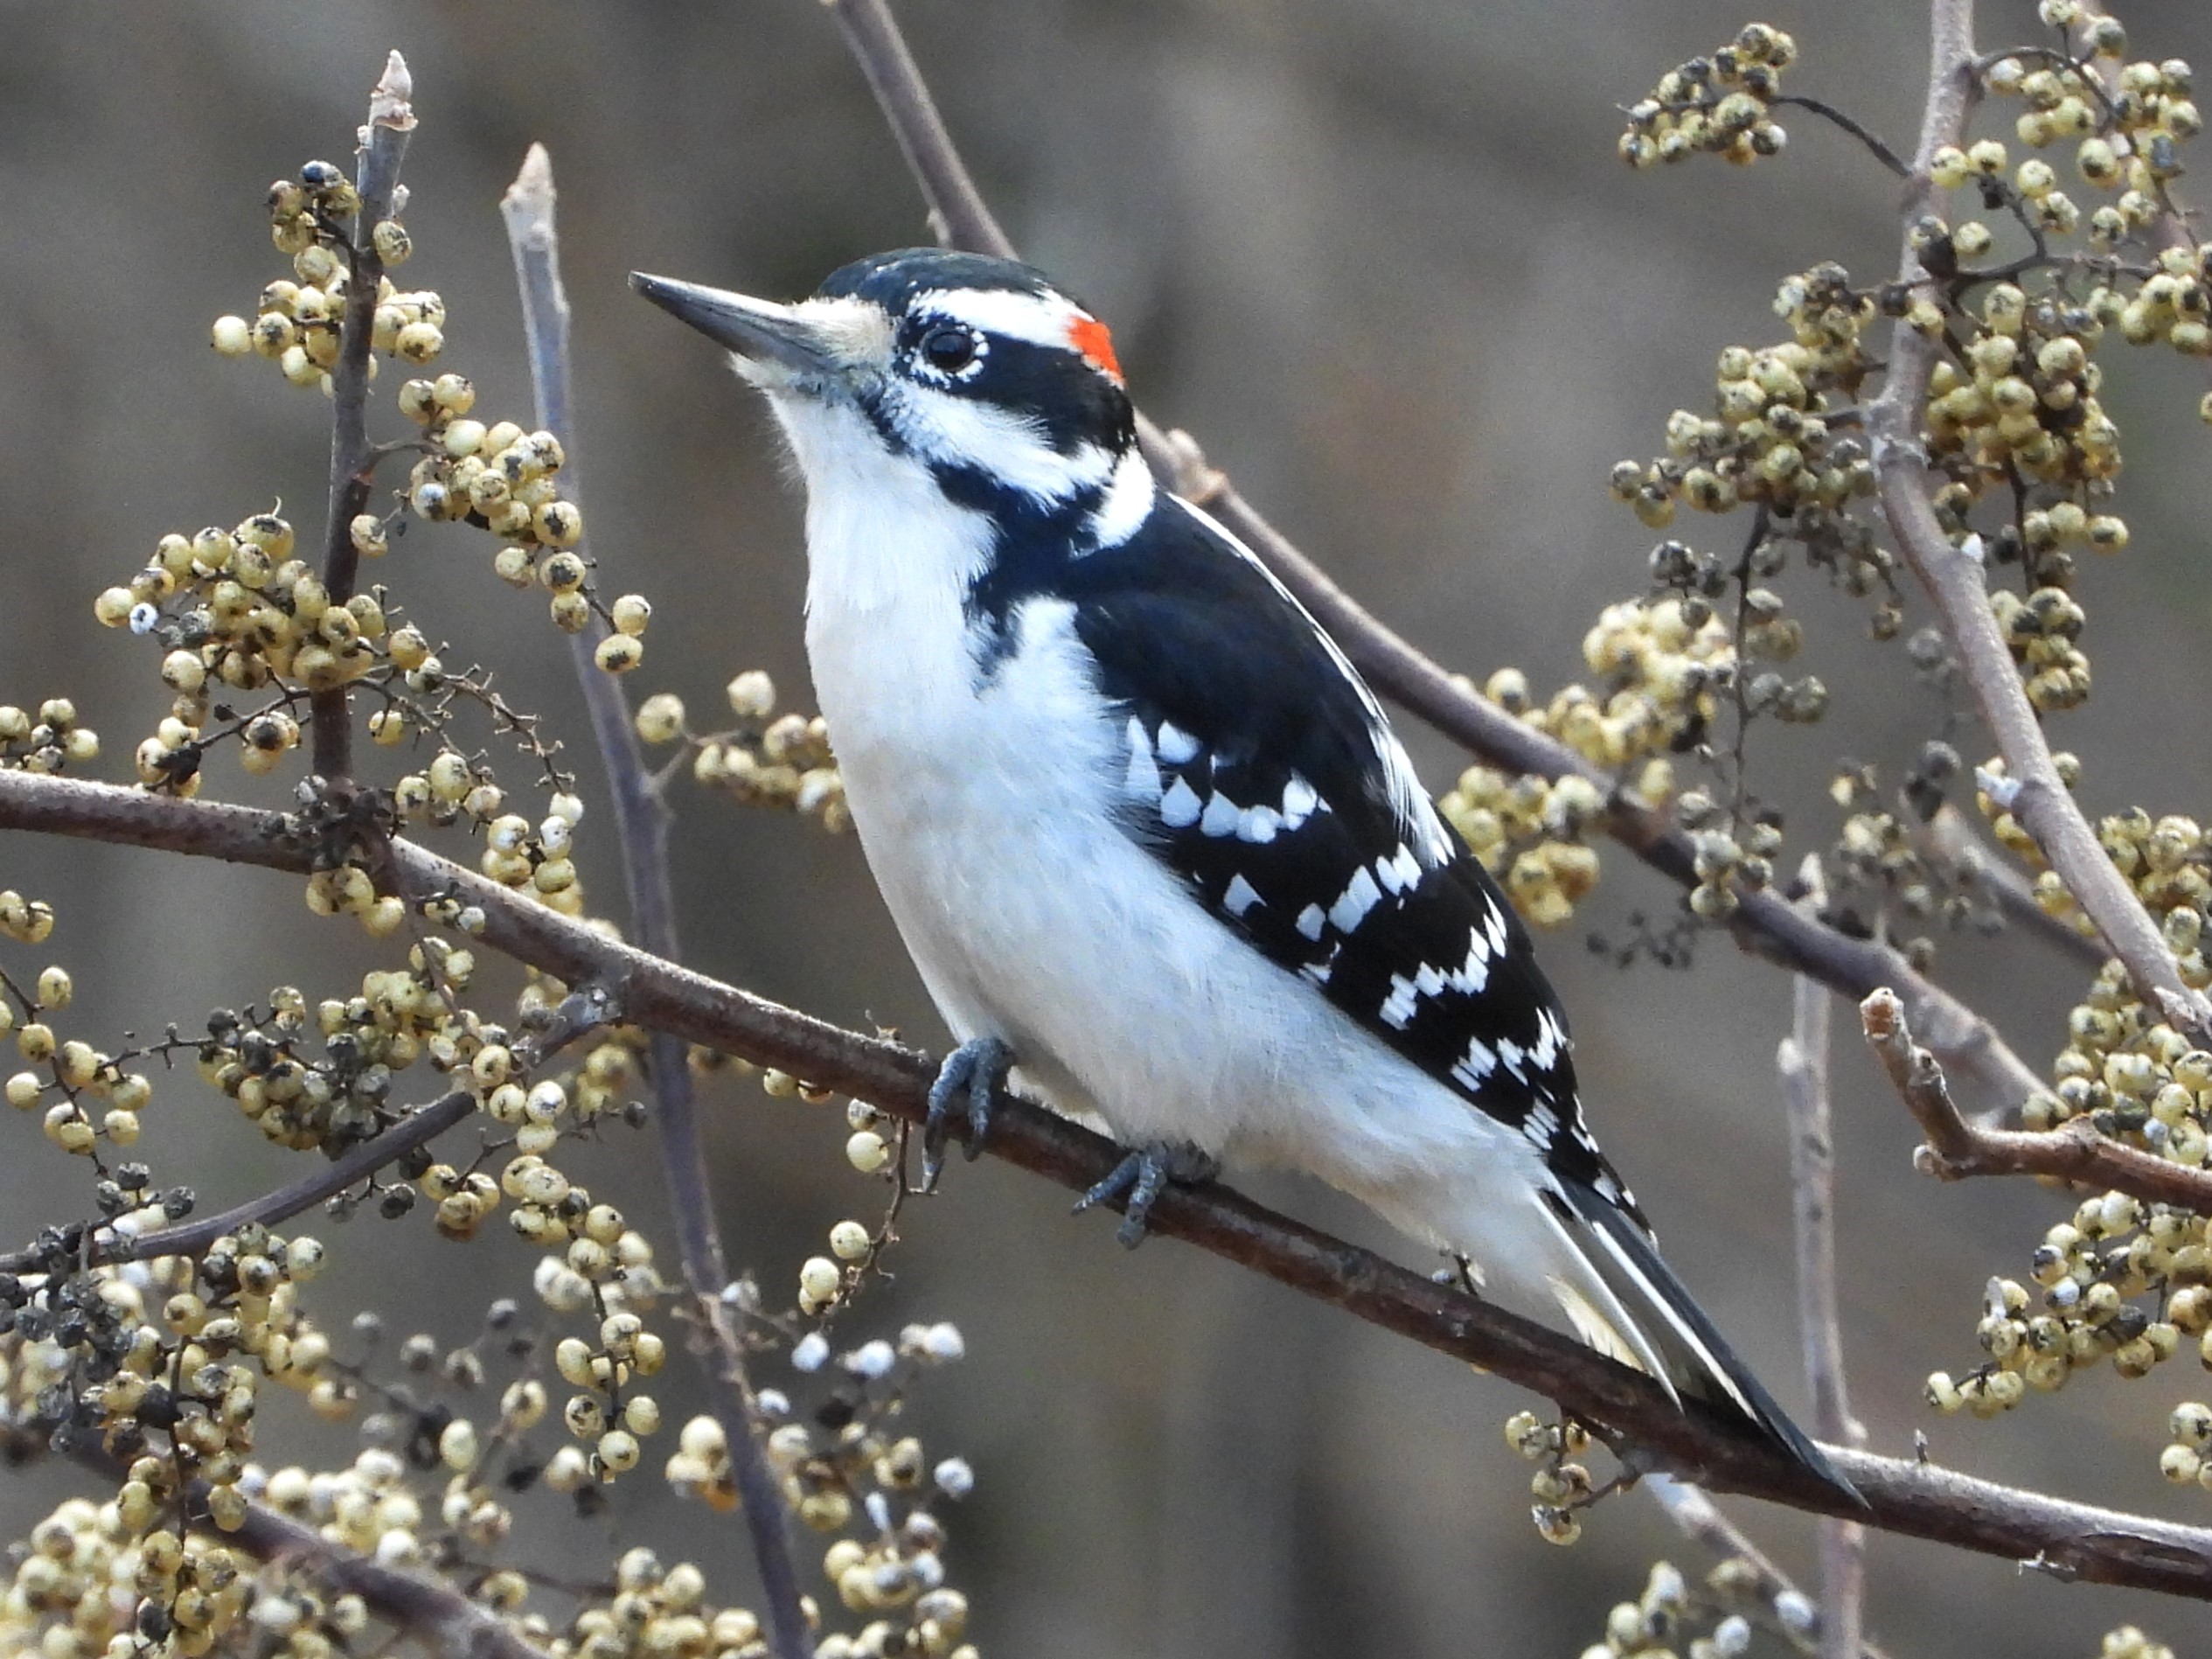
(1090, 336)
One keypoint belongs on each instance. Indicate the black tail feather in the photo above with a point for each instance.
(1699, 1361)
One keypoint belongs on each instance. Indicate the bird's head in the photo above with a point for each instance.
(978, 369)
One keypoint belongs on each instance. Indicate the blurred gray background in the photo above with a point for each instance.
(1381, 259)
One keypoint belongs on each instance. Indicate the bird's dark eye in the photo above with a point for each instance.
(948, 349)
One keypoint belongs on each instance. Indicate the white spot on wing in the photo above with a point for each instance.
(1542, 1125)
(1299, 799)
(1360, 895)
(1478, 1063)
(1178, 808)
(1240, 897)
(1221, 815)
(1258, 825)
(1310, 921)
(1398, 872)
(1398, 1007)
(1177, 747)
(1410, 803)
(1143, 779)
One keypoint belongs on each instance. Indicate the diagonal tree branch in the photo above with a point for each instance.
(418, 1128)
(642, 823)
(1956, 579)
(1764, 922)
(1913, 1498)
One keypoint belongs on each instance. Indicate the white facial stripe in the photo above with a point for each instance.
(1041, 320)
(960, 431)
(1128, 502)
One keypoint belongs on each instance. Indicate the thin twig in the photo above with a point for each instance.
(1956, 579)
(1804, 1064)
(958, 207)
(1958, 1148)
(353, 458)
(1828, 112)
(1764, 922)
(1704, 1522)
(642, 822)
(1713, 1449)
(189, 1238)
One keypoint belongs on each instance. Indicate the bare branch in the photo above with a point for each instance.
(641, 821)
(1764, 922)
(1701, 1444)
(1958, 1148)
(958, 207)
(443, 1622)
(353, 458)
(1956, 579)
(1828, 112)
(1804, 1063)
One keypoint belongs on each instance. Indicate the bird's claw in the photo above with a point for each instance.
(969, 1075)
(1142, 1174)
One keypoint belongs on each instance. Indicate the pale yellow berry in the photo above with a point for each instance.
(819, 1278)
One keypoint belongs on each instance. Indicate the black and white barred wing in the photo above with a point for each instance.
(1260, 769)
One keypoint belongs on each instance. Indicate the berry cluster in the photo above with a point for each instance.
(1656, 1623)
(92, 1582)
(1888, 865)
(90, 1096)
(1770, 439)
(496, 476)
(655, 1610)
(1721, 105)
(2129, 1643)
(1660, 674)
(49, 743)
(765, 759)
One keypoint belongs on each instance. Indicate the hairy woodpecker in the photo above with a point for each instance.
(1148, 838)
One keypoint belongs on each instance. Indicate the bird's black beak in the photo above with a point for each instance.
(765, 334)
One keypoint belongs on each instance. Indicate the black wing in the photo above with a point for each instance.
(1267, 779)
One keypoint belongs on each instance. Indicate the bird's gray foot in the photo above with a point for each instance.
(1141, 1175)
(964, 1083)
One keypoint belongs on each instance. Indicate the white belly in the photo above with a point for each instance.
(1034, 919)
